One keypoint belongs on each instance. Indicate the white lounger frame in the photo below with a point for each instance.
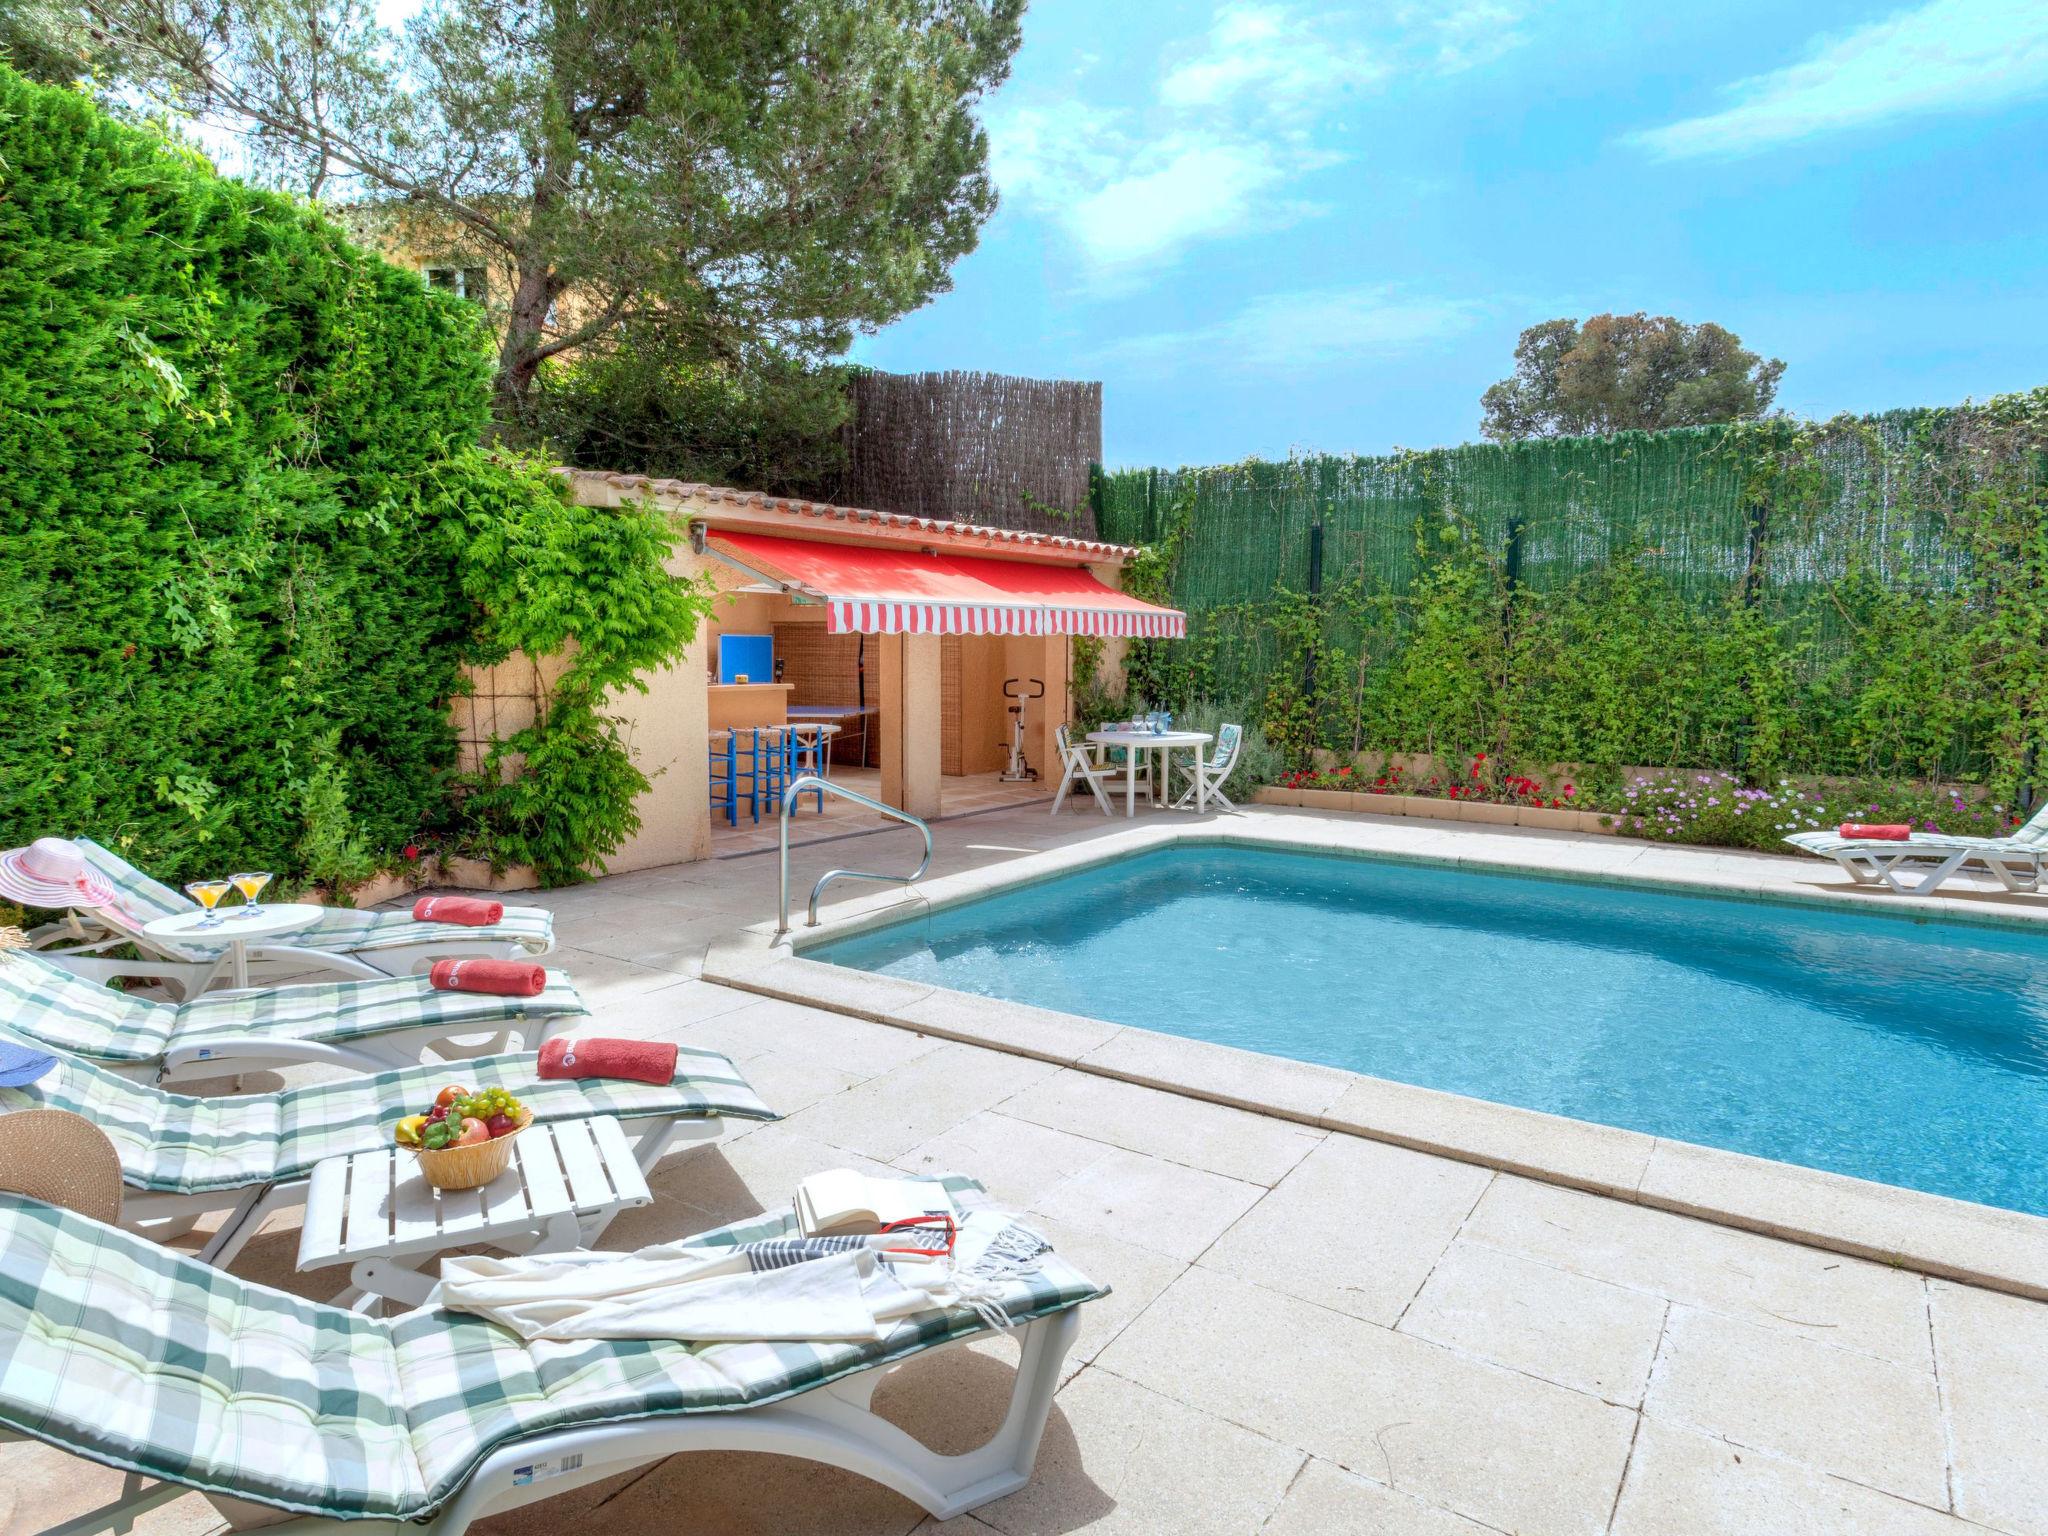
(163, 1216)
(834, 1424)
(85, 946)
(402, 1046)
(2017, 865)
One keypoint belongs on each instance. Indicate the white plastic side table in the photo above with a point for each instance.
(236, 931)
(374, 1211)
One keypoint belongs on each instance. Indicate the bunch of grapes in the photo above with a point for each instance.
(486, 1102)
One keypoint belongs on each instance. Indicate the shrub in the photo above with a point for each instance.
(1718, 808)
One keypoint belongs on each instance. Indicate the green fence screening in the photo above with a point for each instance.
(1847, 597)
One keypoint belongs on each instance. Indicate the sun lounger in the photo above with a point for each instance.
(356, 944)
(1934, 856)
(365, 1026)
(170, 1370)
(250, 1155)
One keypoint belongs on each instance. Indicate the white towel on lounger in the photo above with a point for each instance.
(808, 1289)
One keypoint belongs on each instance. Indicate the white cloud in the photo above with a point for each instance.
(1282, 333)
(1278, 59)
(1238, 116)
(1944, 56)
(1472, 34)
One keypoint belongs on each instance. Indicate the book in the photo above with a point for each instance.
(843, 1203)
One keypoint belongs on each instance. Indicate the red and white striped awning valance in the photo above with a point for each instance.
(874, 590)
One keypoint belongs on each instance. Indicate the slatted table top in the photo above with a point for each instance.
(377, 1204)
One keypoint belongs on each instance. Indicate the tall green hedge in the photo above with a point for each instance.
(1858, 597)
(230, 615)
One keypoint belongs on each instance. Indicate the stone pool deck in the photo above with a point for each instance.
(1311, 1331)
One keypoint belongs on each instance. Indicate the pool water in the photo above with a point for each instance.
(1915, 1053)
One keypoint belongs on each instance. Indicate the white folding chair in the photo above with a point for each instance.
(1080, 761)
(1228, 739)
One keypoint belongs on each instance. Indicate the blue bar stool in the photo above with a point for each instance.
(771, 767)
(725, 776)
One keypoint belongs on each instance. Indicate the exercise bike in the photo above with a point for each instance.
(1019, 771)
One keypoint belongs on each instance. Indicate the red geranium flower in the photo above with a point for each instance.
(411, 850)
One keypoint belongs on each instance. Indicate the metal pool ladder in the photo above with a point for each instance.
(806, 785)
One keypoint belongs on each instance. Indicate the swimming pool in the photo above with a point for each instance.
(1915, 1053)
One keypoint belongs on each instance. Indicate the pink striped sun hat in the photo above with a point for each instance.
(51, 872)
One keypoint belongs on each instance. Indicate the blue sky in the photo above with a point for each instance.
(1267, 227)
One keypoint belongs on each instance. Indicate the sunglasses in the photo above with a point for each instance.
(929, 1236)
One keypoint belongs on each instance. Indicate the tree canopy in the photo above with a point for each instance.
(736, 174)
(1620, 373)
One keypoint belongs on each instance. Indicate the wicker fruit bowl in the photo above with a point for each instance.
(472, 1166)
(485, 1120)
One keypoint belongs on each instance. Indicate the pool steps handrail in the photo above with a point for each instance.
(805, 785)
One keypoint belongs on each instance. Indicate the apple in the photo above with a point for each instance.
(502, 1124)
(473, 1131)
(449, 1095)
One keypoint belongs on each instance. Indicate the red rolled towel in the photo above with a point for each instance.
(470, 911)
(639, 1061)
(500, 978)
(1874, 832)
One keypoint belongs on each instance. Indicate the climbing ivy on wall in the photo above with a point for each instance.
(587, 584)
(1858, 597)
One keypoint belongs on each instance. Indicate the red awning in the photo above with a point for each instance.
(875, 590)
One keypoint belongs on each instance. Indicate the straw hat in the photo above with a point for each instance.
(54, 1155)
(52, 872)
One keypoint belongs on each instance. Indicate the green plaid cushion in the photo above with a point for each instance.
(341, 930)
(146, 1359)
(173, 1143)
(347, 931)
(143, 1358)
(42, 1000)
(349, 1010)
(53, 1007)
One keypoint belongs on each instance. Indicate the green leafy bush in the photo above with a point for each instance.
(248, 542)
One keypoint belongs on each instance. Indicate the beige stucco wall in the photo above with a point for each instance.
(666, 726)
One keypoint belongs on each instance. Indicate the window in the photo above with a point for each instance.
(463, 282)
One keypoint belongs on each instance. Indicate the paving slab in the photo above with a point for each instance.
(1847, 1302)
(1018, 1161)
(1852, 1415)
(1169, 1208)
(1326, 1499)
(1496, 1446)
(1138, 1463)
(1234, 1142)
(1567, 1328)
(1356, 1227)
(1991, 1358)
(886, 1116)
(1682, 1483)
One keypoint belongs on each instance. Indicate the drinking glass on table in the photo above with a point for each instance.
(209, 894)
(251, 885)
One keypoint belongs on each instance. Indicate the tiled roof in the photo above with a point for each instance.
(1081, 549)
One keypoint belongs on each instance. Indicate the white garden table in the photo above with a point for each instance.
(236, 930)
(374, 1212)
(1163, 744)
